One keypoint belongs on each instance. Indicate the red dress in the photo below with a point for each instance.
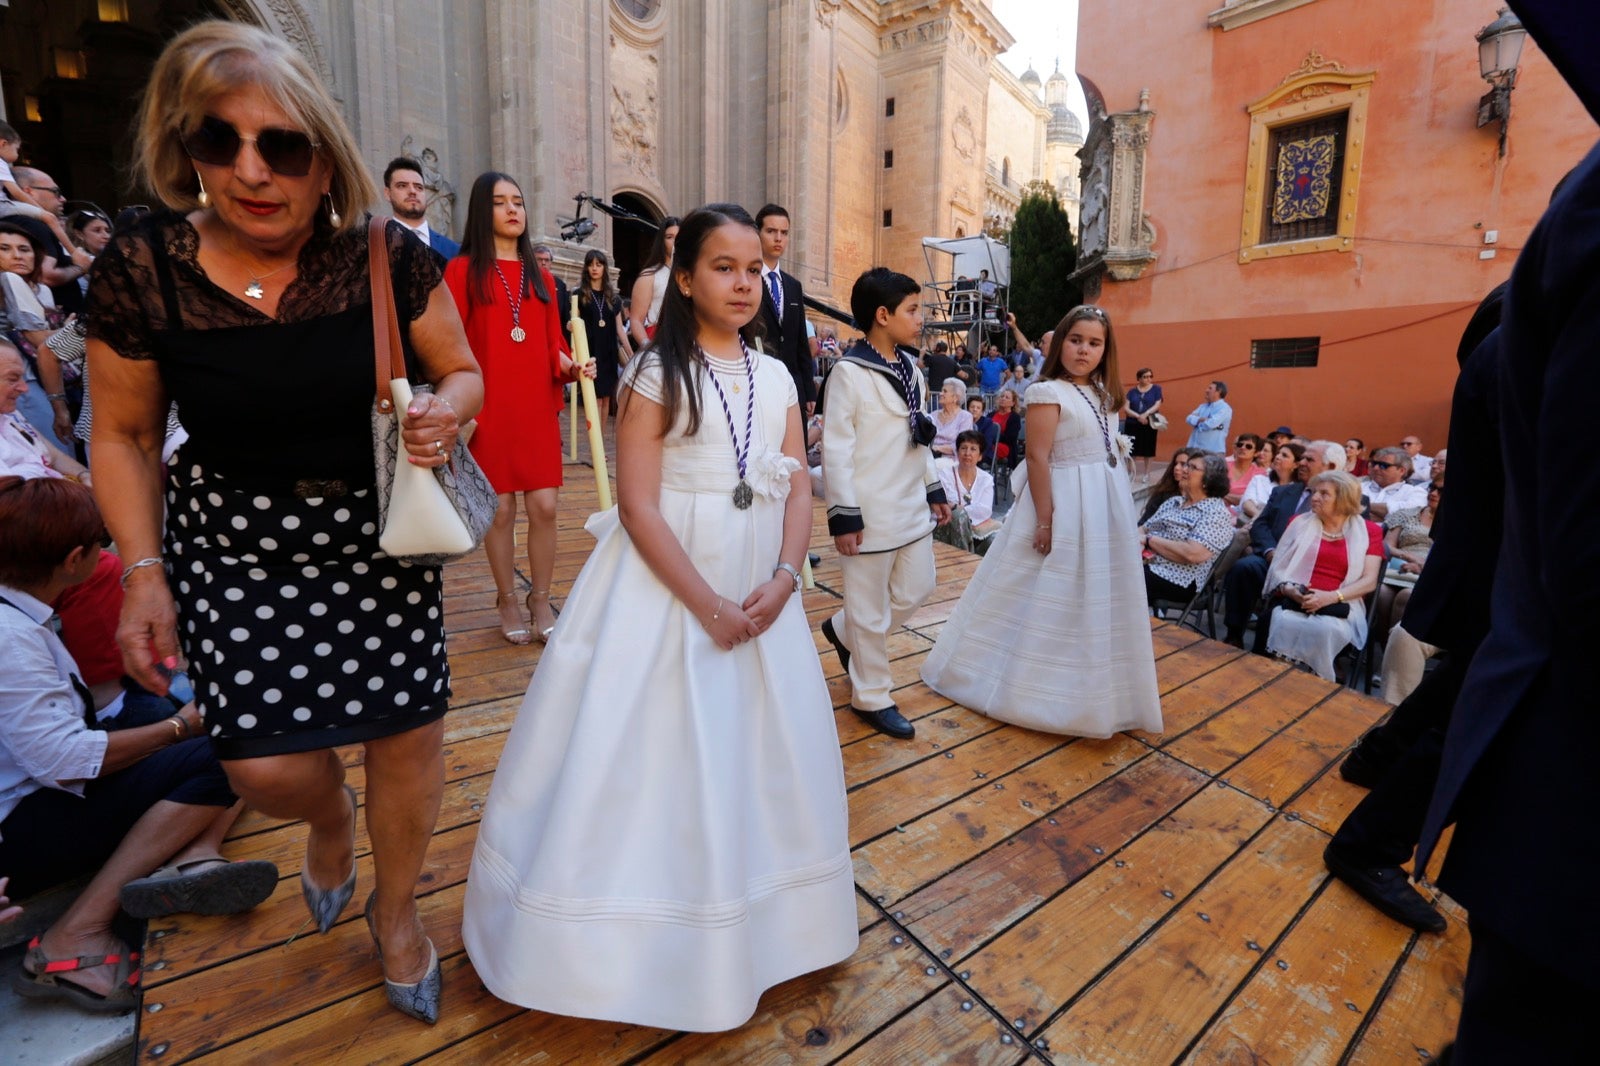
(518, 440)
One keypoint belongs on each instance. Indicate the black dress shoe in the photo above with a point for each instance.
(888, 721)
(838, 645)
(1386, 888)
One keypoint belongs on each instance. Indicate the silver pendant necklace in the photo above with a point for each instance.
(1105, 428)
(518, 334)
(743, 495)
(254, 289)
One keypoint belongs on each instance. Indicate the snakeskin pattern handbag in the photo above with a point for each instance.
(429, 515)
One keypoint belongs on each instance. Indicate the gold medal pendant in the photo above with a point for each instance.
(519, 334)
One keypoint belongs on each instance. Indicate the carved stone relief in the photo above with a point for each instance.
(827, 10)
(289, 20)
(635, 107)
(441, 195)
(964, 135)
(1116, 237)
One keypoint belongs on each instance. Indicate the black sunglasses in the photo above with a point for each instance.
(1379, 464)
(216, 143)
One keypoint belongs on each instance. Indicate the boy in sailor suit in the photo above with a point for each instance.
(882, 490)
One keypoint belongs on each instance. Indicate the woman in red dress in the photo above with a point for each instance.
(507, 304)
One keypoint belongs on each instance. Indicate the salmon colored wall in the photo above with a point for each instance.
(1432, 185)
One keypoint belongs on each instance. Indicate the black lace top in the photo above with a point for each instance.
(265, 399)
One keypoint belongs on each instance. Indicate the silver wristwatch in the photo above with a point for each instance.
(791, 571)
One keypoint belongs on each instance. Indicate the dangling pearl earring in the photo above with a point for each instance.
(204, 198)
(333, 212)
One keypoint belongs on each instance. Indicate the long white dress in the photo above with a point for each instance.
(1058, 642)
(666, 837)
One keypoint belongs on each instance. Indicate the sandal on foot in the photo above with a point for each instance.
(200, 886)
(519, 635)
(43, 981)
(544, 634)
(419, 999)
(325, 905)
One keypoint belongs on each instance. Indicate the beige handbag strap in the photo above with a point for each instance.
(389, 362)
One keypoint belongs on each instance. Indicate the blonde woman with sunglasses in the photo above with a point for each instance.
(248, 302)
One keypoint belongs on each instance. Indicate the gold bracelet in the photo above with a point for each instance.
(716, 612)
(1340, 594)
(179, 728)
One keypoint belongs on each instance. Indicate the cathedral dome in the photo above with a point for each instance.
(1030, 78)
(1064, 127)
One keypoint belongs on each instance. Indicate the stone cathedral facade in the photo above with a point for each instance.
(875, 122)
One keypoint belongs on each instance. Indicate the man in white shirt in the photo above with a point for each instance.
(408, 198)
(1421, 465)
(24, 451)
(1386, 488)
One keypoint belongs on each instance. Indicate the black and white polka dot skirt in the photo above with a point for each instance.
(301, 633)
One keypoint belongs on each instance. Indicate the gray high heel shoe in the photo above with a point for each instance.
(420, 999)
(326, 904)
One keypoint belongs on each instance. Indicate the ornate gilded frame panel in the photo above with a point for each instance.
(1318, 87)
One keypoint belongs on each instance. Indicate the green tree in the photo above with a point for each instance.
(1042, 256)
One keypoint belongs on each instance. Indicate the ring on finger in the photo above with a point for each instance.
(438, 447)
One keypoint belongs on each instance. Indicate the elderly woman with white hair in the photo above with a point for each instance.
(950, 419)
(249, 302)
(1327, 561)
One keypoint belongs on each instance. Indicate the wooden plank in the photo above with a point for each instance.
(1419, 1015)
(1170, 638)
(359, 1028)
(877, 755)
(185, 944)
(950, 1027)
(272, 991)
(530, 1037)
(1181, 667)
(815, 1017)
(1284, 765)
(897, 864)
(1231, 735)
(1314, 990)
(878, 807)
(1184, 708)
(1328, 801)
(1153, 1004)
(963, 910)
(1043, 961)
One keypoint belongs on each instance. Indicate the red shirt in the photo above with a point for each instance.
(1333, 559)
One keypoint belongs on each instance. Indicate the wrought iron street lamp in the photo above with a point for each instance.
(1499, 52)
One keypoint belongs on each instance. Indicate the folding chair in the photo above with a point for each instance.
(1208, 596)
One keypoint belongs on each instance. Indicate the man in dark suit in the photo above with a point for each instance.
(546, 260)
(1399, 760)
(783, 309)
(1518, 774)
(408, 199)
(1242, 585)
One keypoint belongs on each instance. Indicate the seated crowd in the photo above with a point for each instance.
(1269, 497)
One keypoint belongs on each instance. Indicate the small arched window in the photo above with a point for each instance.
(1005, 171)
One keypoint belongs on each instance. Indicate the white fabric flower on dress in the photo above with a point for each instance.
(769, 474)
(1124, 446)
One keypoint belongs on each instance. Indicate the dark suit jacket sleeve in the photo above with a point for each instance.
(1265, 529)
(799, 355)
(1009, 435)
(1569, 478)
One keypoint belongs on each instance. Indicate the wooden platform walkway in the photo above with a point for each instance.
(1022, 897)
